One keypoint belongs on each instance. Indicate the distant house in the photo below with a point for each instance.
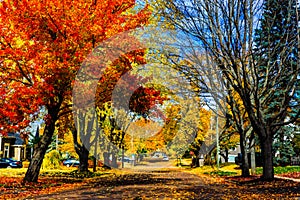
(232, 153)
(12, 146)
(207, 149)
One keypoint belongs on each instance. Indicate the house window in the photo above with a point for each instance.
(231, 158)
(6, 150)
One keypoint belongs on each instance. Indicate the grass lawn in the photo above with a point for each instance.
(234, 170)
(227, 170)
(281, 170)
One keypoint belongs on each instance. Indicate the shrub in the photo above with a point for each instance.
(52, 160)
(25, 164)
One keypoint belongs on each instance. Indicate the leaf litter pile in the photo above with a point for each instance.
(163, 184)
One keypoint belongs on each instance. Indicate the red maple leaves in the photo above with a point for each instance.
(42, 47)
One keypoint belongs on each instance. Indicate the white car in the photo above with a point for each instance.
(166, 158)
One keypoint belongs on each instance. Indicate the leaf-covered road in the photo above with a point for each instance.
(174, 184)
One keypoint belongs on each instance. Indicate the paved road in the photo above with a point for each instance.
(149, 164)
(149, 181)
(155, 184)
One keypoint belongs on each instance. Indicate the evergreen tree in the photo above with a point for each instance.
(283, 148)
(276, 50)
(276, 57)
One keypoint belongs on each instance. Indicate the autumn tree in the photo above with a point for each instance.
(43, 44)
(209, 83)
(67, 145)
(144, 133)
(238, 122)
(225, 32)
(116, 109)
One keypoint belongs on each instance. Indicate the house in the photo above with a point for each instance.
(12, 146)
(207, 149)
(231, 154)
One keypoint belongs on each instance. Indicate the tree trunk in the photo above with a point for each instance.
(266, 148)
(123, 156)
(94, 164)
(114, 161)
(252, 157)
(226, 155)
(82, 152)
(106, 163)
(40, 149)
(83, 159)
(245, 162)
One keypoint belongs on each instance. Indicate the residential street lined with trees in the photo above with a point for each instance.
(107, 81)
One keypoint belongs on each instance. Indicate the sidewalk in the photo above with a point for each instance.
(287, 178)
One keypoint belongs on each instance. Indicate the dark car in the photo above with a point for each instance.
(71, 163)
(10, 163)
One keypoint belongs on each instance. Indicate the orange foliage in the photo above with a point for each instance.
(42, 46)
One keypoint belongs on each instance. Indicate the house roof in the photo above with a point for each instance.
(19, 140)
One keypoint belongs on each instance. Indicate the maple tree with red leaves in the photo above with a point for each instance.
(42, 46)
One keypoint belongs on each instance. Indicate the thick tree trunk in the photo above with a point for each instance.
(40, 149)
(226, 155)
(114, 163)
(83, 154)
(94, 164)
(266, 148)
(107, 163)
(245, 163)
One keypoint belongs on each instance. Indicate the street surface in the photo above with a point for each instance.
(160, 180)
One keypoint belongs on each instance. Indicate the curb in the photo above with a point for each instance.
(286, 178)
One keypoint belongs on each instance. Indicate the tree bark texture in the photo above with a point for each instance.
(40, 149)
(245, 163)
(266, 148)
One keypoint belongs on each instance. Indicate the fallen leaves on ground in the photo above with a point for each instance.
(156, 184)
(295, 175)
(275, 189)
(11, 188)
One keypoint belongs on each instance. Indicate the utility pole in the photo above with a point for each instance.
(56, 142)
(217, 138)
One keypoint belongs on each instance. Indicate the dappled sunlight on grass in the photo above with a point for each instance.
(19, 172)
(231, 169)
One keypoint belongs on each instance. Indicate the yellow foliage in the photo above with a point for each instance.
(52, 160)
(68, 145)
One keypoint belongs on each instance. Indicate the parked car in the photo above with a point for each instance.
(10, 163)
(165, 158)
(126, 159)
(71, 163)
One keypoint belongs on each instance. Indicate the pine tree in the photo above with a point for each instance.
(276, 49)
(276, 60)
